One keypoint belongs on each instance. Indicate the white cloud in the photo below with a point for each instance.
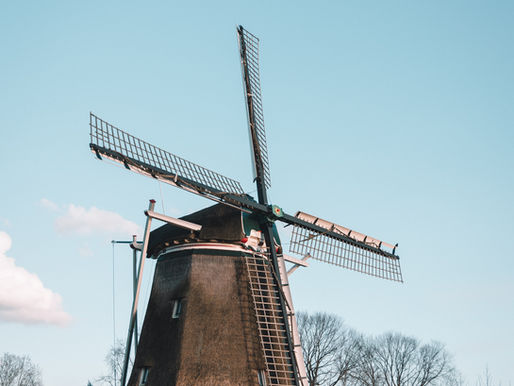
(23, 297)
(45, 203)
(80, 220)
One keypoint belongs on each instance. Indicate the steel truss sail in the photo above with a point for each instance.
(111, 142)
(354, 250)
(249, 51)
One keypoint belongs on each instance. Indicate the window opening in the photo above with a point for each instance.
(144, 376)
(176, 306)
(261, 377)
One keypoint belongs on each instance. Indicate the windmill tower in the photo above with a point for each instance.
(220, 311)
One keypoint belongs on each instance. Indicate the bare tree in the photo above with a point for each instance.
(351, 348)
(403, 361)
(367, 372)
(487, 379)
(435, 366)
(396, 358)
(19, 371)
(330, 349)
(114, 360)
(336, 355)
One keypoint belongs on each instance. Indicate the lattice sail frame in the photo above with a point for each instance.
(322, 247)
(265, 293)
(124, 148)
(249, 50)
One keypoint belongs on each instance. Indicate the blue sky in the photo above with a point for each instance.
(392, 118)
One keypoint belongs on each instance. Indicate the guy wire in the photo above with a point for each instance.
(113, 313)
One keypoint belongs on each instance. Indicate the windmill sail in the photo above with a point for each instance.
(110, 142)
(249, 51)
(266, 293)
(338, 245)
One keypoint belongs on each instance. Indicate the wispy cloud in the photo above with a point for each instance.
(76, 219)
(80, 220)
(23, 297)
(46, 203)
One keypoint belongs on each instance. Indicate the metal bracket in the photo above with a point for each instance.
(174, 221)
(297, 263)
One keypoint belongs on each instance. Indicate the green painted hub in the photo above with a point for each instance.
(251, 221)
(276, 211)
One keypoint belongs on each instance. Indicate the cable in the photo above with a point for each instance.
(162, 199)
(113, 313)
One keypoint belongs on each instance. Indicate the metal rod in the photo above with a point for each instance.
(175, 221)
(134, 284)
(294, 260)
(146, 236)
(297, 263)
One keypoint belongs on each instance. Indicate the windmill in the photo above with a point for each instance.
(220, 310)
